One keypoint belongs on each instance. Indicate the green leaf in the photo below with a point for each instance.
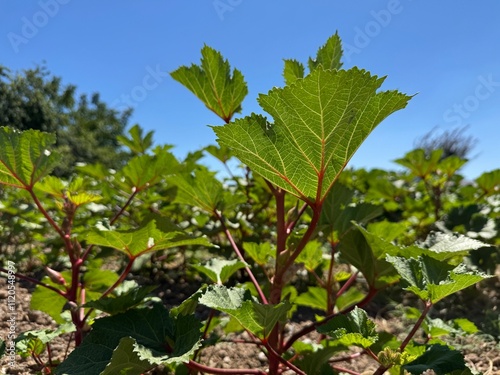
(140, 241)
(367, 252)
(354, 328)
(293, 70)
(320, 121)
(213, 83)
(137, 143)
(220, 270)
(35, 341)
(328, 55)
(202, 189)
(349, 298)
(441, 359)
(338, 212)
(188, 306)
(24, 157)
(421, 164)
(432, 280)
(259, 252)
(253, 316)
(159, 339)
(315, 362)
(489, 182)
(125, 360)
(315, 297)
(123, 302)
(145, 171)
(41, 295)
(311, 256)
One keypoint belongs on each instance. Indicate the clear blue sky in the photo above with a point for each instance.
(447, 51)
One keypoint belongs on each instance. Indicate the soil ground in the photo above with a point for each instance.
(479, 304)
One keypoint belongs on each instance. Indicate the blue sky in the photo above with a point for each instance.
(447, 52)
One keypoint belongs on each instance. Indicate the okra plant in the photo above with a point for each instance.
(283, 231)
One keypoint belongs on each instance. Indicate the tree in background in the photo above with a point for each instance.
(452, 142)
(86, 128)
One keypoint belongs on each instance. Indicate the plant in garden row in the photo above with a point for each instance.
(288, 214)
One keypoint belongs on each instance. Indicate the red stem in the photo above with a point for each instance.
(428, 305)
(284, 361)
(240, 256)
(36, 282)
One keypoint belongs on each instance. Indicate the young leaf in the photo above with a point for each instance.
(202, 189)
(140, 241)
(255, 317)
(311, 256)
(158, 339)
(24, 157)
(293, 70)
(147, 170)
(441, 359)
(419, 163)
(320, 121)
(213, 83)
(489, 182)
(329, 55)
(432, 280)
(220, 270)
(259, 252)
(355, 328)
(137, 143)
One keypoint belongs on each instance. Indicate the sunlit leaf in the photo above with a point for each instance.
(25, 157)
(146, 239)
(219, 270)
(441, 359)
(320, 121)
(213, 83)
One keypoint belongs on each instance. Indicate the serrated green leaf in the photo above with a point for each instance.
(137, 143)
(328, 55)
(125, 360)
(123, 302)
(432, 280)
(320, 121)
(213, 83)
(98, 280)
(441, 359)
(255, 317)
(25, 157)
(259, 252)
(311, 256)
(147, 170)
(35, 341)
(293, 70)
(420, 163)
(354, 328)
(204, 190)
(160, 339)
(315, 297)
(140, 241)
(220, 270)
